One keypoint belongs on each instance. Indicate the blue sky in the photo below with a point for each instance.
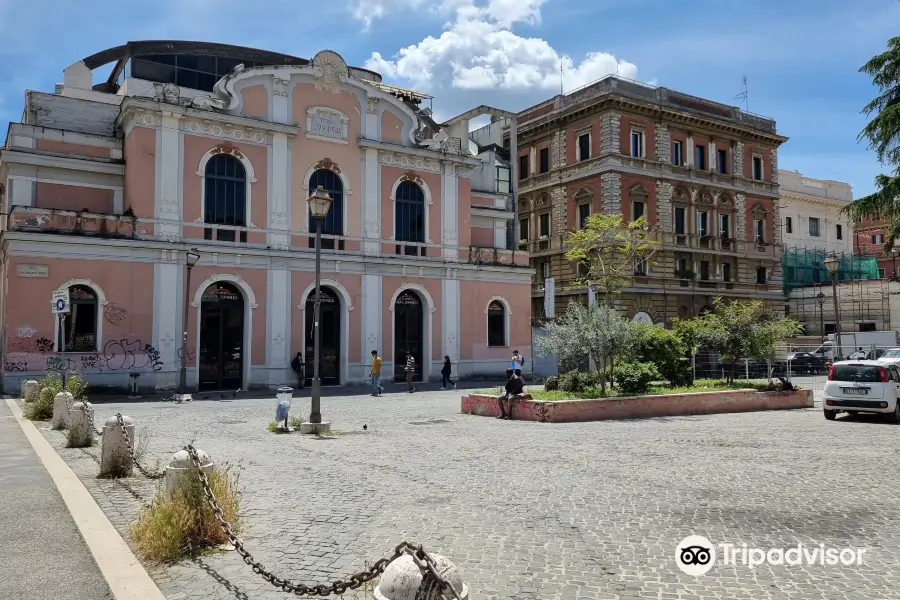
(800, 56)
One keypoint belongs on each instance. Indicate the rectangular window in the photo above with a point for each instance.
(503, 180)
(545, 269)
(682, 267)
(839, 231)
(679, 220)
(584, 146)
(878, 238)
(523, 229)
(677, 158)
(881, 273)
(757, 168)
(637, 144)
(523, 167)
(584, 211)
(506, 141)
(637, 211)
(544, 225)
(726, 272)
(814, 226)
(722, 161)
(761, 275)
(545, 160)
(725, 226)
(700, 157)
(788, 225)
(704, 270)
(703, 223)
(640, 266)
(759, 231)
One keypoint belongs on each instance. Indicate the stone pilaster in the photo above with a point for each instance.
(558, 150)
(737, 156)
(559, 206)
(773, 160)
(609, 133)
(611, 193)
(664, 205)
(740, 218)
(663, 143)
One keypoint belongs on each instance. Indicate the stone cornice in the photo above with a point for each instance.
(789, 196)
(37, 158)
(418, 153)
(139, 108)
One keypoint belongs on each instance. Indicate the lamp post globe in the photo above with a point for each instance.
(319, 204)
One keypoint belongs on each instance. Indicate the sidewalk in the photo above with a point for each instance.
(44, 556)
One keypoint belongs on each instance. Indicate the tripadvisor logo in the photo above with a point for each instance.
(696, 555)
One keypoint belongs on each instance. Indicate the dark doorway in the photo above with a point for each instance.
(329, 337)
(221, 356)
(408, 333)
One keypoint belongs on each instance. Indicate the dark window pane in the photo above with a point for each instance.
(163, 59)
(226, 196)
(409, 221)
(861, 373)
(205, 63)
(333, 223)
(186, 78)
(152, 71)
(206, 82)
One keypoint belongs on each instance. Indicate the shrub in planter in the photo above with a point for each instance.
(551, 383)
(635, 377)
(576, 382)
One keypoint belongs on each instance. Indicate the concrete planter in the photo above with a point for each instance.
(640, 407)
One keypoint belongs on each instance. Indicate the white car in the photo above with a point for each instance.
(891, 357)
(856, 386)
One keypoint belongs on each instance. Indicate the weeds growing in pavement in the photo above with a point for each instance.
(50, 385)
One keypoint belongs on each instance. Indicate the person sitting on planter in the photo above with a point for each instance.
(514, 387)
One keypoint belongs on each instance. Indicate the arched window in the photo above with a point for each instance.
(409, 219)
(78, 330)
(333, 223)
(496, 324)
(226, 198)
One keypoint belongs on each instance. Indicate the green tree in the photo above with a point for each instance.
(739, 329)
(597, 333)
(883, 136)
(608, 250)
(662, 347)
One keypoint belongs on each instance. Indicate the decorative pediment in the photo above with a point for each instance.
(330, 71)
(759, 211)
(679, 194)
(704, 197)
(524, 204)
(583, 194)
(328, 165)
(638, 192)
(227, 149)
(725, 201)
(543, 200)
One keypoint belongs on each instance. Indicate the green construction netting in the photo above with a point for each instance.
(807, 267)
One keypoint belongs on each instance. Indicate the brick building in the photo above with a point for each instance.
(868, 241)
(703, 174)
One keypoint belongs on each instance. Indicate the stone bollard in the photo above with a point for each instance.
(403, 578)
(182, 466)
(62, 403)
(30, 390)
(80, 432)
(115, 454)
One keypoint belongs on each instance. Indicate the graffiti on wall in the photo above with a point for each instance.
(114, 314)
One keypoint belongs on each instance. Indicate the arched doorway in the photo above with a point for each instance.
(221, 355)
(329, 336)
(409, 330)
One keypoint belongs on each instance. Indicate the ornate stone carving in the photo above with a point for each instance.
(704, 197)
(463, 171)
(279, 218)
(412, 177)
(280, 86)
(450, 236)
(171, 93)
(330, 71)
(370, 228)
(225, 131)
(410, 162)
(372, 105)
(328, 165)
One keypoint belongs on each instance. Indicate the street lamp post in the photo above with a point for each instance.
(832, 264)
(820, 298)
(190, 259)
(894, 250)
(319, 205)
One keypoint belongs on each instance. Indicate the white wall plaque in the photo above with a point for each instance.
(328, 124)
(33, 270)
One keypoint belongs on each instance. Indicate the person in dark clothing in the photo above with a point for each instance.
(514, 387)
(297, 366)
(445, 373)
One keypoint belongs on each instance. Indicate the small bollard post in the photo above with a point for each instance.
(30, 390)
(402, 580)
(62, 403)
(182, 466)
(115, 454)
(284, 396)
(80, 433)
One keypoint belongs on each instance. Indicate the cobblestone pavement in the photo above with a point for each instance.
(532, 510)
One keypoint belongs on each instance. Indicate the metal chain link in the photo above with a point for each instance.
(90, 410)
(422, 558)
(144, 472)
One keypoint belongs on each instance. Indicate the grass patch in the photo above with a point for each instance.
(273, 426)
(173, 525)
(75, 438)
(296, 422)
(700, 385)
(41, 409)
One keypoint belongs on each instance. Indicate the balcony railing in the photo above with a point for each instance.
(82, 223)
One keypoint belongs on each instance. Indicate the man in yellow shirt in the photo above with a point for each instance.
(375, 374)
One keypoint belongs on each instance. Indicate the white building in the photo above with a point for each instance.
(810, 213)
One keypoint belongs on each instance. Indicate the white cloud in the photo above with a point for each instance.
(478, 50)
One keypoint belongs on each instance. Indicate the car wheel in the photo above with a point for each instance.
(895, 417)
(830, 414)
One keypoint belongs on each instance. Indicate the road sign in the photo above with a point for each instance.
(60, 301)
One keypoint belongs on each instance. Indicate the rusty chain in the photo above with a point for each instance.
(90, 411)
(423, 559)
(144, 472)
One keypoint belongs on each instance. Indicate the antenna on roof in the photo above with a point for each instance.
(744, 96)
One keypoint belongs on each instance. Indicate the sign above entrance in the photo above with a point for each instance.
(408, 298)
(220, 293)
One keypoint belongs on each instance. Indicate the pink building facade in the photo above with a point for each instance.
(108, 186)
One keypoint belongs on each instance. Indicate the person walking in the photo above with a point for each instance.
(375, 374)
(517, 361)
(410, 371)
(297, 366)
(445, 373)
